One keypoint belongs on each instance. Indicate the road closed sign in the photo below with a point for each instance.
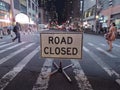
(61, 45)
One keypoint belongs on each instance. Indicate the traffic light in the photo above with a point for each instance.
(110, 2)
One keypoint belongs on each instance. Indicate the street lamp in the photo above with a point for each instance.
(96, 16)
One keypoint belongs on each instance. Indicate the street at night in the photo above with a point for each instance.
(59, 44)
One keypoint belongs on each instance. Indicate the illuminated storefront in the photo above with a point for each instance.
(4, 14)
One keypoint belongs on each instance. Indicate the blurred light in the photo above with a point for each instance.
(97, 16)
(31, 21)
(22, 18)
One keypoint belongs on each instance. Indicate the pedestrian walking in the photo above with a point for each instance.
(16, 30)
(9, 30)
(1, 32)
(111, 35)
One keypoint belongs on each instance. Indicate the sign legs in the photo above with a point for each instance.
(61, 69)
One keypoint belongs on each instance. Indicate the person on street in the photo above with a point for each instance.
(16, 30)
(111, 35)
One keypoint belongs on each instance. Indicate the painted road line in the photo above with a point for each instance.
(43, 79)
(82, 80)
(91, 44)
(106, 67)
(1, 51)
(104, 51)
(15, 53)
(2, 43)
(116, 45)
(110, 55)
(6, 45)
(103, 44)
(5, 80)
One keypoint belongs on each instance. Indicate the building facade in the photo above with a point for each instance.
(5, 13)
(89, 11)
(111, 12)
(32, 9)
(107, 11)
(59, 10)
(10, 8)
(45, 11)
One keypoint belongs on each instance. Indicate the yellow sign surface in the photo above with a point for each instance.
(61, 45)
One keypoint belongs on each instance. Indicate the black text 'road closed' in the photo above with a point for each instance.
(61, 45)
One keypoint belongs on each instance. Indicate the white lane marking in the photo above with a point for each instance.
(82, 80)
(103, 65)
(14, 53)
(103, 45)
(43, 79)
(1, 51)
(2, 43)
(116, 45)
(5, 80)
(105, 52)
(91, 44)
(6, 45)
(110, 55)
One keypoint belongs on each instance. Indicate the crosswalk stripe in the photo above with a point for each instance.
(112, 56)
(105, 52)
(4, 81)
(105, 66)
(116, 45)
(103, 44)
(82, 80)
(11, 47)
(2, 43)
(15, 53)
(6, 45)
(43, 79)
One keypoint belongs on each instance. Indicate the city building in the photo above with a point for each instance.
(32, 9)
(104, 11)
(59, 10)
(111, 11)
(10, 8)
(68, 10)
(5, 13)
(44, 9)
(89, 11)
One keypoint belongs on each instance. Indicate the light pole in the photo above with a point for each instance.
(95, 17)
(12, 11)
(81, 12)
